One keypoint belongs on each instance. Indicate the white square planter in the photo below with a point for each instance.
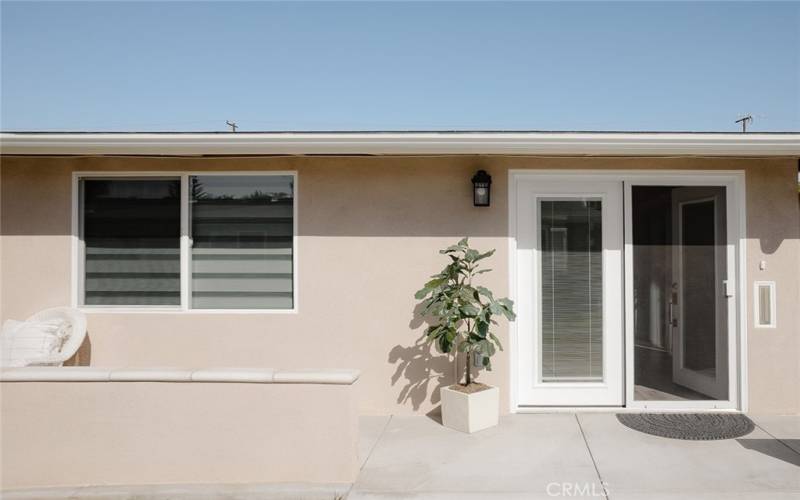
(470, 412)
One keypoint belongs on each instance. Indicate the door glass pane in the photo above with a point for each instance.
(679, 308)
(131, 235)
(698, 285)
(242, 234)
(571, 266)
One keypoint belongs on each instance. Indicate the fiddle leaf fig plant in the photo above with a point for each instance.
(462, 312)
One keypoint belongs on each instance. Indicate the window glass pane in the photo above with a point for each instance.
(131, 232)
(572, 286)
(242, 229)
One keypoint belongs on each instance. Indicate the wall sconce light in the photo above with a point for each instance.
(481, 189)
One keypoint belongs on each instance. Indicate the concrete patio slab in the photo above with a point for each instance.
(370, 430)
(744, 495)
(418, 458)
(452, 495)
(783, 427)
(530, 457)
(636, 465)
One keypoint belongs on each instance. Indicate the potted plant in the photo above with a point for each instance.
(460, 315)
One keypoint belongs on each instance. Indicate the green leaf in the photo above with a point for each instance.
(467, 294)
(486, 347)
(496, 340)
(506, 308)
(434, 308)
(443, 345)
(433, 332)
(436, 282)
(509, 314)
(485, 292)
(484, 255)
(469, 310)
(506, 303)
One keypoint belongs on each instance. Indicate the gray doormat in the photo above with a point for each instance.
(694, 426)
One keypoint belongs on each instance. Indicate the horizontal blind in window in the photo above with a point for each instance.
(131, 233)
(572, 290)
(242, 237)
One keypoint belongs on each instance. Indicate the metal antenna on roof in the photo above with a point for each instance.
(232, 125)
(743, 120)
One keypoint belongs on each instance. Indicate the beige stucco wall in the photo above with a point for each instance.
(369, 231)
(79, 433)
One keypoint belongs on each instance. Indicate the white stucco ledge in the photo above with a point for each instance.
(229, 375)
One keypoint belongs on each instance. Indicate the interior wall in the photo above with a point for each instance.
(369, 233)
(652, 239)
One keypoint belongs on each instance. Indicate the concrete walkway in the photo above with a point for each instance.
(536, 456)
(589, 455)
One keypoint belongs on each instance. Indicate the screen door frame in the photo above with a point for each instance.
(733, 182)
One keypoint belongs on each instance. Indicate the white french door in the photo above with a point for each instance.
(570, 295)
(641, 309)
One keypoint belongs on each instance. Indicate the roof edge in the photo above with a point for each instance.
(403, 143)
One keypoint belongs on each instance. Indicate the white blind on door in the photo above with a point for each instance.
(571, 289)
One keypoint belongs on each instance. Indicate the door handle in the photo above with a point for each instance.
(727, 288)
(673, 301)
(673, 321)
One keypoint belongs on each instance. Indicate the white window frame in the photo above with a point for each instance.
(772, 305)
(78, 247)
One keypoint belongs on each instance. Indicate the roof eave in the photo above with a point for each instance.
(403, 143)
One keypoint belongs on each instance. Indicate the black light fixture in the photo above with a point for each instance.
(481, 189)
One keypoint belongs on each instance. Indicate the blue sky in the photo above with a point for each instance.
(399, 66)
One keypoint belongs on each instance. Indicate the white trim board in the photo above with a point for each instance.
(734, 180)
(404, 143)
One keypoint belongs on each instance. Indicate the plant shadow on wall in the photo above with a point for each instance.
(458, 316)
(420, 368)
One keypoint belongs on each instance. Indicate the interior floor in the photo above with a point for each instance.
(653, 378)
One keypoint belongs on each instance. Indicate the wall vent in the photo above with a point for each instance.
(764, 304)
